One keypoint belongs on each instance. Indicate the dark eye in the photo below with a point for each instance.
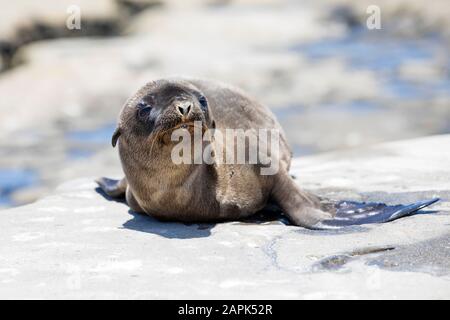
(143, 109)
(203, 102)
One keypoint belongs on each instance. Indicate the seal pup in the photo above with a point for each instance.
(215, 191)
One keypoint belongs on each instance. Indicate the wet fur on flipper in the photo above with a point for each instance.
(350, 213)
(112, 187)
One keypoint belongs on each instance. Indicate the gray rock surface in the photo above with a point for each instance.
(77, 244)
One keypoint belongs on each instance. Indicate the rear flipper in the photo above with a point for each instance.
(349, 213)
(113, 188)
(309, 211)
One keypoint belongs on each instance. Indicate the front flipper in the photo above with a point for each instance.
(349, 213)
(113, 188)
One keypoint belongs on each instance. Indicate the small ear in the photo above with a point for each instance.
(115, 136)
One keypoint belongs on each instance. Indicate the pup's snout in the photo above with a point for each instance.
(184, 108)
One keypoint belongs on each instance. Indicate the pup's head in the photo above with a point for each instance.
(159, 108)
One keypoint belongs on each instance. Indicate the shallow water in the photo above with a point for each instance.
(81, 144)
(379, 53)
(12, 180)
(353, 107)
(98, 135)
(385, 54)
(88, 141)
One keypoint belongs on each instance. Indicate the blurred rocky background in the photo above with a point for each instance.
(332, 82)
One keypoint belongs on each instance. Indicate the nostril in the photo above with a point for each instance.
(184, 109)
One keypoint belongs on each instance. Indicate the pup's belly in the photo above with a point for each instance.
(179, 205)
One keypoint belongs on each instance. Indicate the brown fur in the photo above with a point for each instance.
(200, 192)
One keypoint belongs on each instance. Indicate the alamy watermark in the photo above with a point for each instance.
(233, 146)
(374, 19)
(73, 21)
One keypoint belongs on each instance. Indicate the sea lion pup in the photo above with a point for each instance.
(217, 190)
